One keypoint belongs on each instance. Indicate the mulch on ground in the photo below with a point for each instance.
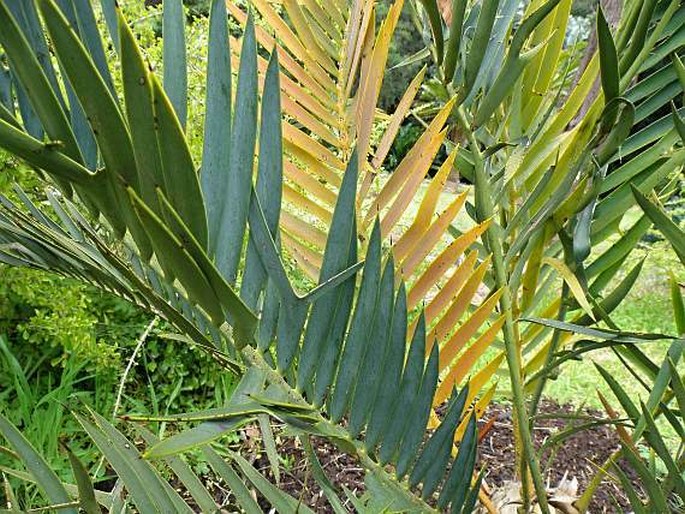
(580, 455)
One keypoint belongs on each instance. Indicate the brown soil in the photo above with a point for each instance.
(341, 469)
(580, 455)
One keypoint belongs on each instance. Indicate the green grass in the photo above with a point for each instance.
(647, 308)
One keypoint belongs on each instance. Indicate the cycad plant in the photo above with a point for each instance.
(130, 213)
(559, 184)
(553, 147)
(551, 170)
(333, 67)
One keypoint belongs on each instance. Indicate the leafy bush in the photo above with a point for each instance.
(55, 317)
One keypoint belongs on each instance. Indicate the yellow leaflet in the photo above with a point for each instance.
(441, 265)
(540, 72)
(450, 288)
(514, 163)
(359, 27)
(329, 44)
(338, 9)
(538, 159)
(540, 34)
(310, 183)
(433, 421)
(409, 188)
(482, 378)
(303, 116)
(303, 230)
(425, 144)
(302, 97)
(396, 119)
(306, 258)
(312, 147)
(448, 292)
(367, 95)
(315, 79)
(575, 100)
(364, 71)
(292, 43)
(532, 273)
(465, 363)
(564, 116)
(433, 235)
(343, 6)
(352, 30)
(468, 330)
(449, 320)
(567, 158)
(311, 44)
(323, 18)
(302, 202)
(572, 282)
(312, 163)
(426, 209)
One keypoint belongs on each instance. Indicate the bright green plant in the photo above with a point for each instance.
(37, 401)
(551, 161)
(55, 330)
(202, 252)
